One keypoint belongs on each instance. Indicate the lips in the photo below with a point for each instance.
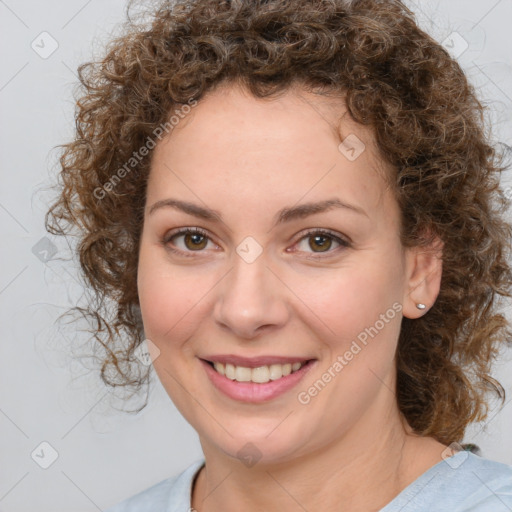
(249, 379)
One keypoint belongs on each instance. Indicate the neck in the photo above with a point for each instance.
(364, 470)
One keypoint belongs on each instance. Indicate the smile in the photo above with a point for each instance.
(260, 375)
(251, 380)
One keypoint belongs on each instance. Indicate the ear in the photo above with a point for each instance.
(424, 268)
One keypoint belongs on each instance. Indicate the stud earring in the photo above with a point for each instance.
(421, 306)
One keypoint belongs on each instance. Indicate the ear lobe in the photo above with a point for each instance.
(424, 272)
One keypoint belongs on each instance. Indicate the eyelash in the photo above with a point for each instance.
(198, 231)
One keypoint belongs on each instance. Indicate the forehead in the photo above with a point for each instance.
(298, 144)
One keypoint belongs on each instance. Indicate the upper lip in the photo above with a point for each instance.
(253, 362)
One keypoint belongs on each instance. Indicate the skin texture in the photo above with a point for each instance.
(247, 159)
(429, 125)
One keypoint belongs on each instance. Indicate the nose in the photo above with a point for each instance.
(251, 300)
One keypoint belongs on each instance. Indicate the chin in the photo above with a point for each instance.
(268, 444)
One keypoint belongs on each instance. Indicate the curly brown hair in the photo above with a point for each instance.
(427, 122)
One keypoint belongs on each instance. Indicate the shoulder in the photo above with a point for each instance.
(487, 485)
(464, 482)
(169, 494)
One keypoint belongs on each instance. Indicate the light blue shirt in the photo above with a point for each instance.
(464, 482)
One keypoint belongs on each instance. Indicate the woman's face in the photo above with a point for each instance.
(261, 287)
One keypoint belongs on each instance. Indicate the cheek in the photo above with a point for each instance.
(352, 299)
(171, 305)
(360, 311)
(169, 298)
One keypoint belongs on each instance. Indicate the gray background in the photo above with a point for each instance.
(45, 396)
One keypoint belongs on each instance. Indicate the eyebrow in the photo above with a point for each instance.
(282, 216)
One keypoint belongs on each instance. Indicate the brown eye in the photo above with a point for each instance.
(194, 240)
(320, 241)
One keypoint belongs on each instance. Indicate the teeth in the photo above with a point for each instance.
(259, 375)
(242, 374)
(275, 371)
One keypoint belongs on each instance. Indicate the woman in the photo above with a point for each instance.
(295, 208)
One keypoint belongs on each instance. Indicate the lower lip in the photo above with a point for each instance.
(253, 392)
